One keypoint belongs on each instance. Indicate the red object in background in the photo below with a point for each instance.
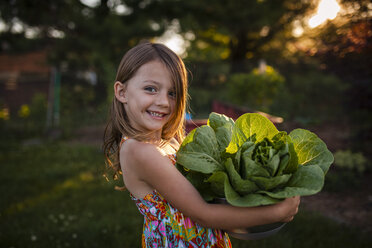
(231, 111)
(22, 76)
(191, 124)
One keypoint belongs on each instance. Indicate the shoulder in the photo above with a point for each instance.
(134, 151)
(133, 145)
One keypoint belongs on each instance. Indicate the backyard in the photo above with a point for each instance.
(303, 64)
(54, 195)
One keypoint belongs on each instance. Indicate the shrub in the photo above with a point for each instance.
(348, 171)
(311, 97)
(350, 161)
(255, 90)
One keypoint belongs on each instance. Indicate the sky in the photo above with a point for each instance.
(326, 10)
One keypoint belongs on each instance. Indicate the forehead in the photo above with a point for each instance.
(154, 71)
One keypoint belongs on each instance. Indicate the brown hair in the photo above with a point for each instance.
(118, 123)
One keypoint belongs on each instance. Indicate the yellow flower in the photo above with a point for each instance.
(4, 114)
(24, 112)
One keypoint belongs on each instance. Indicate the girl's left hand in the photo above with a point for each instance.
(288, 208)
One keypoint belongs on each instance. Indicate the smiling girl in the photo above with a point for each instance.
(145, 128)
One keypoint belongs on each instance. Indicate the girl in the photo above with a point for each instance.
(144, 131)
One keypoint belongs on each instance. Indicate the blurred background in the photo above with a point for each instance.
(303, 63)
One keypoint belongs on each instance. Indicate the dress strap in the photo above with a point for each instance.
(124, 138)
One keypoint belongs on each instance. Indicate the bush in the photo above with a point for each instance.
(200, 102)
(347, 172)
(28, 121)
(255, 90)
(79, 105)
(348, 160)
(311, 97)
(38, 112)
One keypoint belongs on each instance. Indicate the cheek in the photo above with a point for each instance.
(173, 106)
(130, 108)
(127, 111)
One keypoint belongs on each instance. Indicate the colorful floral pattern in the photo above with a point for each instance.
(165, 226)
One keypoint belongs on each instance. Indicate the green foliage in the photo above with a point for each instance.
(255, 90)
(233, 30)
(348, 171)
(346, 159)
(75, 97)
(200, 101)
(361, 135)
(207, 80)
(28, 121)
(80, 37)
(109, 78)
(79, 105)
(65, 194)
(38, 108)
(310, 96)
(344, 48)
(63, 191)
(251, 163)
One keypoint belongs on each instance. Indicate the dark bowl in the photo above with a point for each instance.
(255, 232)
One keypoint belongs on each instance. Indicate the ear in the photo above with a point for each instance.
(120, 92)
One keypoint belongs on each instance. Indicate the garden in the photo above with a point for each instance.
(55, 195)
(57, 191)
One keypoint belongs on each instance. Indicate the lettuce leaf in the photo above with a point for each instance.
(200, 152)
(311, 150)
(251, 163)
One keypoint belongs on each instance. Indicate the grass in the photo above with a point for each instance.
(54, 195)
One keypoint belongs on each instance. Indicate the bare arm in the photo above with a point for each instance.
(159, 173)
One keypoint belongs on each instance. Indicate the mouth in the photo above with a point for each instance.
(156, 114)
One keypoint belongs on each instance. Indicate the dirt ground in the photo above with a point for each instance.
(351, 208)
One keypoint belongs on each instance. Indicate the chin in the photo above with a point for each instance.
(154, 128)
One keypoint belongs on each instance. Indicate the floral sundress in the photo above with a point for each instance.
(165, 226)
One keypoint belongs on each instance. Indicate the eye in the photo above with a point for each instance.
(172, 94)
(150, 89)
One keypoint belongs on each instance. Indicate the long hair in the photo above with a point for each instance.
(118, 123)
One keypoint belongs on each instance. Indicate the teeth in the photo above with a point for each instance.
(156, 114)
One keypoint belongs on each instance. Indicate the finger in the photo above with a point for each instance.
(288, 219)
(296, 211)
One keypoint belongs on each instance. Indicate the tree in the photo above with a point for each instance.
(345, 47)
(78, 37)
(233, 30)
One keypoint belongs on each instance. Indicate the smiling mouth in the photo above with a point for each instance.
(156, 114)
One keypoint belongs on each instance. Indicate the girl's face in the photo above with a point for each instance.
(148, 97)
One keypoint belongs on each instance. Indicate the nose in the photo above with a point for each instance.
(163, 100)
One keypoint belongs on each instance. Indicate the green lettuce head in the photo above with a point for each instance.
(251, 163)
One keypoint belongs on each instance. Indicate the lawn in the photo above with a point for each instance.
(54, 195)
